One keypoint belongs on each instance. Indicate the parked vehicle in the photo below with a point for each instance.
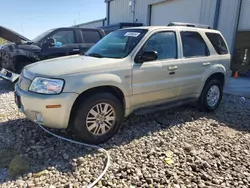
(128, 71)
(50, 44)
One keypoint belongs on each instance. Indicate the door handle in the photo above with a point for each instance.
(206, 64)
(173, 68)
(76, 50)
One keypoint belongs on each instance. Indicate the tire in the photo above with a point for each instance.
(91, 132)
(204, 103)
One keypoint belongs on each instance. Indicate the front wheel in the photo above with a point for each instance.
(211, 95)
(98, 118)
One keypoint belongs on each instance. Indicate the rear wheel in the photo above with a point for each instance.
(211, 95)
(98, 118)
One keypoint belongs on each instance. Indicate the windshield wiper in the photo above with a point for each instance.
(94, 55)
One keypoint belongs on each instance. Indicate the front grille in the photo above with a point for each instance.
(24, 83)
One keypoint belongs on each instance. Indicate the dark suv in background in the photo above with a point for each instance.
(14, 56)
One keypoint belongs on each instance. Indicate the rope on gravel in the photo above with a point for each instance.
(86, 145)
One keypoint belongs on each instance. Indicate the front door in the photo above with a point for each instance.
(155, 81)
(65, 43)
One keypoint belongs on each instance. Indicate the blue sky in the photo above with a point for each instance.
(32, 17)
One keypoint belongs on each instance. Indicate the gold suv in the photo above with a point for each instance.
(128, 70)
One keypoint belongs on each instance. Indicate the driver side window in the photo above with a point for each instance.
(62, 38)
(164, 43)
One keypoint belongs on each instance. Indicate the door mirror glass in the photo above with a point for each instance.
(146, 56)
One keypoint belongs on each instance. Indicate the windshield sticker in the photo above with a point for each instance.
(132, 34)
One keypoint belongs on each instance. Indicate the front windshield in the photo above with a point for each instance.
(39, 37)
(117, 44)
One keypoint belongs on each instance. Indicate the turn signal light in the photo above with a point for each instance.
(54, 106)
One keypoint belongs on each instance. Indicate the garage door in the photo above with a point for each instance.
(244, 24)
(176, 11)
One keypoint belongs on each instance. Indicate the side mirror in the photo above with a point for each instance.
(146, 56)
(50, 42)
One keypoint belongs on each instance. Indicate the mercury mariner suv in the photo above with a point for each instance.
(128, 71)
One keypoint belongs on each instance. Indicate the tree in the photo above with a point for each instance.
(2, 41)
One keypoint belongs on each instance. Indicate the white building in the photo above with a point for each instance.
(231, 17)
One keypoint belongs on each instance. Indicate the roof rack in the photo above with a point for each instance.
(189, 25)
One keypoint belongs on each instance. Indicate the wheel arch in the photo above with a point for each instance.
(218, 75)
(114, 90)
(215, 75)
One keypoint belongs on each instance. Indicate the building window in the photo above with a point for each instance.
(164, 43)
(218, 43)
(90, 36)
(193, 45)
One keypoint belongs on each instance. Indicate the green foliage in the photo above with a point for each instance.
(2, 41)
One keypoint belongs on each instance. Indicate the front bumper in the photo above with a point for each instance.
(8, 75)
(34, 107)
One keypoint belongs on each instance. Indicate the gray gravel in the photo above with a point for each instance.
(178, 148)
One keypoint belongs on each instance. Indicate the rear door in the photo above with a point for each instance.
(65, 44)
(195, 62)
(89, 38)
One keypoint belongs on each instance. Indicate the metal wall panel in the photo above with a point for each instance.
(142, 10)
(228, 19)
(207, 12)
(121, 12)
(244, 23)
(166, 12)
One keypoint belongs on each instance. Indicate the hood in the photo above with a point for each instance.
(11, 36)
(70, 65)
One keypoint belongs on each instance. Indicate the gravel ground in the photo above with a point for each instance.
(177, 148)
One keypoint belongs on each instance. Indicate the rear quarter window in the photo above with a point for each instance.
(90, 36)
(218, 43)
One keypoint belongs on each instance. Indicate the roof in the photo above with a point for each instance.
(151, 28)
(77, 27)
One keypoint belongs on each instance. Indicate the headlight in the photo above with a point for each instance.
(46, 86)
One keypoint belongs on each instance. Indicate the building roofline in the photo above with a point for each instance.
(94, 21)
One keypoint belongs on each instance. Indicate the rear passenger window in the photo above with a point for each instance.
(193, 44)
(218, 43)
(90, 36)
